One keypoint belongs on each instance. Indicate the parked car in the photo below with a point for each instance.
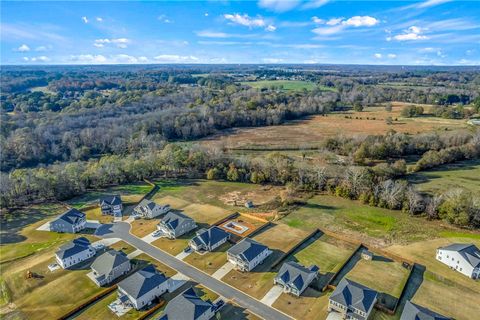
(187, 249)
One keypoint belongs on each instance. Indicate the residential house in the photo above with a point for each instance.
(109, 266)
(352, 300)
(295, 278)
(188, 306)
(209, 239)
(149, 209)
(111, 205)
(74, 252)
(247, 254)
(462, 257)
(412, 311)
(142, 287)
(174, 224)
(72, 221)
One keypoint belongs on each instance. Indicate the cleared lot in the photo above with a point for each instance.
(210, 261)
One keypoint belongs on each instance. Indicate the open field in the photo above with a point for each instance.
(280, 237)
(95, 213)
(293, 133)
(100, 310)
(205, 214)
(311, 305)
(130, 193)
(465, 174)
(372, 225)
(286, 85)
(143, 227)
(210, 261)
(176, 246)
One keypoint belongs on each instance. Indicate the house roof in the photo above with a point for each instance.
(73, 247)
(113, 199)
(174, 219)
(353, 294)
(295, 275)
(146, 203)
(247, 249)
(108, 261)
(142, 281)
(468, 251)
(186, 306)
(412, 311)
(210, 236)
(71, 216)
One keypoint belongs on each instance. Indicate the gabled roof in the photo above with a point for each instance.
(468, 251)
(73, 247)
(247, 249)
(142, 281)
(353, 294)
(71, 216)
(112, 200)
(108, 261)
(210, 236)
(146, 203)
(295, 275)
(174, 219)
(412, 311)
(186, 306)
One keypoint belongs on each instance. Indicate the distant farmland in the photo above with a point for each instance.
(287, 85)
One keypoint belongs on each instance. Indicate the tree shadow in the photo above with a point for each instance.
(381, 258)
(412, 286)
(12, 224)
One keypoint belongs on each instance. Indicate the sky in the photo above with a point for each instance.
(428, 32)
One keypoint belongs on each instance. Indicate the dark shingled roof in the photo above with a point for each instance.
(186, 306)
(353, 294)
(210, 236)
(146, 203)
(294, 274)
(113, 199)
(142, 281)
(412, 311)
(174, 219)
(247, 249)
(108, 261)
(73, 247)
(72, 216)
(467, 250)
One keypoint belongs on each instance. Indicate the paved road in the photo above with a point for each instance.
(122, 230)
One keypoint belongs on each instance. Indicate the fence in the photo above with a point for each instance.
(335, 275)
(87, 303)
(160, 304)
(232, 216)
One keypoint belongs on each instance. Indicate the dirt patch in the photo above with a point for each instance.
(258, 197)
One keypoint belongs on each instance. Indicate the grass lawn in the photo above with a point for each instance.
(311, 304)
(205, 214)
(100, 310)
(143, 227)
(372, 225)
(122, 246)
(465, 174)
(234, 312)
(146, 259)
(287, 85)
(211, 261)
(176, 246)
(280, 237)
(96, 214)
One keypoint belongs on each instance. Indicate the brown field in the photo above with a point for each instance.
(122, 246)
(280, 237)
(176, 246)
(309, 132)
(143, 227)
(174, 202)
(210, 261)
(311, 305)
(205, 213)
(96, 214)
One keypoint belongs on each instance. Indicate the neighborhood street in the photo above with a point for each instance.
(122, 230)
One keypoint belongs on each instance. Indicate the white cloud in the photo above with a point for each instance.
(272, 60)
(26, 59)
(431, 3)
(245, 20)
(43, 48)
(99, 19)
(361, 21)
(163, 18)
(143, 59)
(378, 55)
(334, 21)
(278, 5)
(336, 25)
(411, 34)
(317, 20)
(23, 48)
(211, 34)
(88, 58)
(392, 55)
(85, 19)
(326, 31)
(206, 14)
(173, 58)
(313, 4)
(31, 32)
(119, 42)
(271, 28)
(124, 58)
(40, 59)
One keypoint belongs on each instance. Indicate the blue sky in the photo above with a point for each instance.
(431, 32)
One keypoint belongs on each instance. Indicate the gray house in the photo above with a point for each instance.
(352, 300)
(109, 266)
(295, 278)
(412, 311)
(149, 209)
(74, 252)
(111, 205)
(209, 239)
(188, 306)
(174, 224)
(142, 287)
(71, 221)
(247, 254)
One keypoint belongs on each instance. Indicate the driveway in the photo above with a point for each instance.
(122, 230)
(272, 295)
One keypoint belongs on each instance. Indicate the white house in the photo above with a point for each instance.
(72, 221)
(74, 252)
(175, 224)
(461, 257)
(142, 287)
(149, 209)
(247, 254)
(209, 239)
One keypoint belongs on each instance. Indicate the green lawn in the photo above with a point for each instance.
(465, 174)
(287, 85)
(210, 261)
